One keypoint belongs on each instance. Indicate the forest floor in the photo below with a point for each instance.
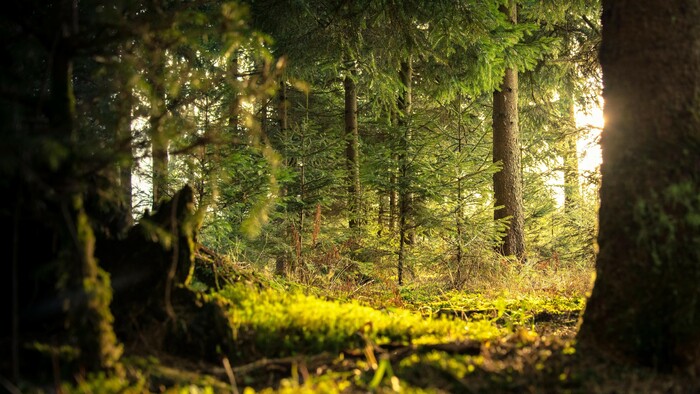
(375, 337)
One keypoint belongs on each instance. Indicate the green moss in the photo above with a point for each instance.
(506, 310)
(666, 321)
(276, 323)
(91, 323)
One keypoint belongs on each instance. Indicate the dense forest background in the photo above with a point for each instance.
(332, 196)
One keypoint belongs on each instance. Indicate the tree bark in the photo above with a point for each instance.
(393, 196)
(283, 259)
(159, 139)
(86, 289)
(459, 209)
(507, 183)
(393, 183)
(572, 187)
(352, 154)
(282, 106)
(406, 228)
(234, 103)
(645, 304)
(124, 141)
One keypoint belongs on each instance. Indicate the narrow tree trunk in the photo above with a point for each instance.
(393, 197)
(382, 201)
(124, 141)
(234, 103)
(507, 183)
(459, 211)
(282, 106)
(283, 259)
(572, 188)
(645, 304)
(393, 182)
(264, 127)
(352, 154)
(406, 228)
(159, 139)
(16, 339)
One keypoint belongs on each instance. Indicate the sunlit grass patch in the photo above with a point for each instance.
(506, 310)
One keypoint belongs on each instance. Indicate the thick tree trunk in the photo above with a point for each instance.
(85, 287)
(645, 305)
(507, 183)
(159, 139)
(406, 227)
(352, 154)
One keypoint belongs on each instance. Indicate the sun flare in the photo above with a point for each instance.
(591, 124)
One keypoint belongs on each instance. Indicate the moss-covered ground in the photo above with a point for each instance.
(378, 338)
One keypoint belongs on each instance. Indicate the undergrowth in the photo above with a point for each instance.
(377, 337)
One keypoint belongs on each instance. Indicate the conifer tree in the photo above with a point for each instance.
(506, 150)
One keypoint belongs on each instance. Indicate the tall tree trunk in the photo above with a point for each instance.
(124, 141)
(264, 119)
(459, 211)
(572, 187)
(507, 183)
(234, 103)
(352, 154)
(393, 196)
(393, 182)
(406, 227)
(283, 259)
(282, 107)
(86, 290)
(645, 304)
(382, 202)
(159, 139)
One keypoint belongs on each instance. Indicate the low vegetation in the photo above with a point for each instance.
(293, 338)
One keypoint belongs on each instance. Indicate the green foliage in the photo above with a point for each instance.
(201, 82)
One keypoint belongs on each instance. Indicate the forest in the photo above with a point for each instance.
(300, 196)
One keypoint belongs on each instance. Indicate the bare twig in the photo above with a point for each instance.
(231, 376)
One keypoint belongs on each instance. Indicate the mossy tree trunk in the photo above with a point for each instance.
(84, 286)
(645, 306)
(507, 183)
